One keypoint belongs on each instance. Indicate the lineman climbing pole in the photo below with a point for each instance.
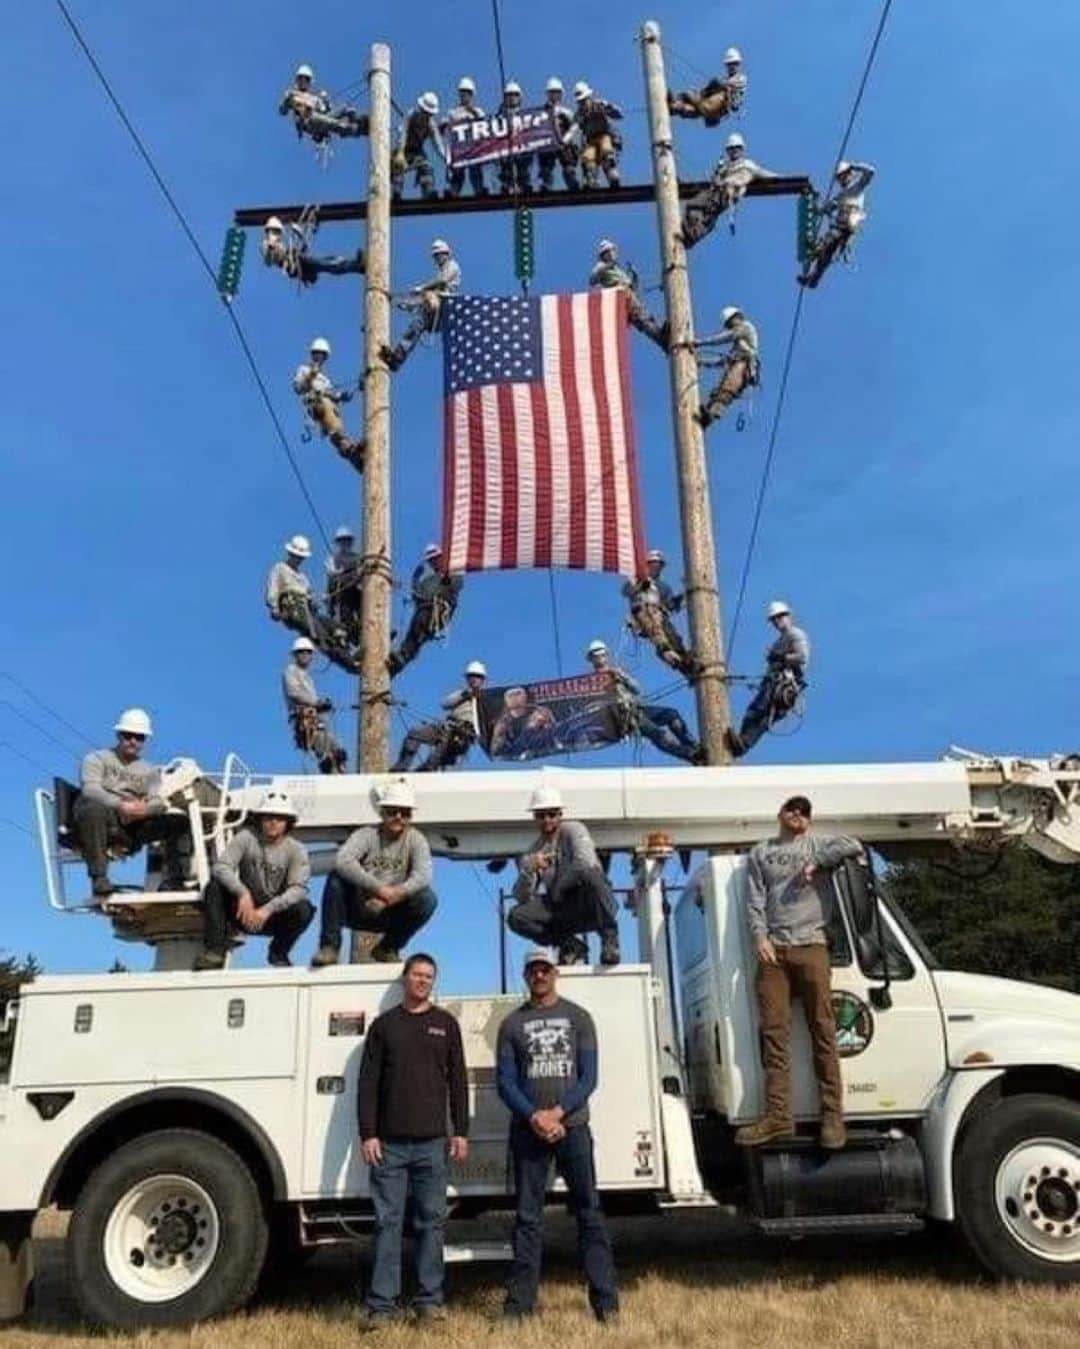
(699, 557)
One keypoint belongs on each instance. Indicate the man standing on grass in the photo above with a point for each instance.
(546, 1071)
(411, 1077)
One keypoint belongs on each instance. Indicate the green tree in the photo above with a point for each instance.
(13, 974)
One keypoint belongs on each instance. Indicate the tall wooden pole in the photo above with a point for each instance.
(699, 558)
(373, 740)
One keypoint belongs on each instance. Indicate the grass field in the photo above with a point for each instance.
(695, 1279)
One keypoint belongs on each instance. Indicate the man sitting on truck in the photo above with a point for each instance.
(381, 882)
(260, 884)
(561, 890)
(787, 916)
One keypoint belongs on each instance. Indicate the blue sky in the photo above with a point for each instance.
(921, 515)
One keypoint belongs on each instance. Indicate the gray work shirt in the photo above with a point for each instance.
(790, 651)
(368, 860)
(651, 591)
(299, 687)
(737, 174)
(548, 1046)
(610, 274)
(285, 580)
(108, 780)
(461, 705)
(311, 383)
(571, 845)
(781, 905)
(429, 585)
(447, 278)
(276, 875)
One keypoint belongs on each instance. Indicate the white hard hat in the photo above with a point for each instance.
(467, 82)
(476, 667)
(303, 644)
(135, 720)
(428, 102)
(735, 142)
(304, 70)
(731, 55)
(540, 955)
(546, 798)
(321, 344)
(298, 545)
(606, 246)
(398, 794)
(554, 85)
(596, 647)
(440, 246)
(582, 90)
(655, 555)
(273, 224)
(728, 312)
(433, 550)
(344, 532)
(274, 802)
(511, 87)
(776, 608)
(842, 168)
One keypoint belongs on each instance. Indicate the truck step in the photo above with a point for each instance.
(467, 1252)
(841, 1224)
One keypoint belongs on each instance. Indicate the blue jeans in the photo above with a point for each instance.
(343, 906)
(416, 1168)
(573, 1159)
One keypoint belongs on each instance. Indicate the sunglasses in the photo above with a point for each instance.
(537, 968)
(396, 813)
(133, 735)
(546, 814)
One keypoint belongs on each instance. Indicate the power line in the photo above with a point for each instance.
(200, 255)
(23, 716)
(34, 763)
(14, 824)
(796, 317)
(29, 693)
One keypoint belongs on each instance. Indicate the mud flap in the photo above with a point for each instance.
(16, 1264)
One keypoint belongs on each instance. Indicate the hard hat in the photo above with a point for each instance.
(274, 802)
(303, 644)
(728, 312)
(734, 142)
(468, 83)
(273, 224)
(540, 955)
(732, 55)
(655, 555)
(398, 794)
(440, 246)
(546, 798)
(321, 344)
(605, 246)
(343, 532)
(433, 550)
(842, 168)
(428, 102)
(554, 85)
(595, 648)
(135, 720)
(476, 667)
(298, 545)
(301, 71)
(511, 87)
(776, 608)
(582, 90)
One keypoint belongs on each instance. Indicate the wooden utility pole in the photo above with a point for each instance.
(373, 736)
(699, 557)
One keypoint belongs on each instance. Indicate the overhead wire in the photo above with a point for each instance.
(26, 758)
(40, 702)
(37, 726)
(204, 262)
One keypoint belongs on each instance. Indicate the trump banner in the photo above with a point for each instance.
(555, 716)
(484, 139)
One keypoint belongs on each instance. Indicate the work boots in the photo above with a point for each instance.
(573, 951)
(393, 357)
(833, 1133)
(609, 949)
(325, 955)
(767, 1130)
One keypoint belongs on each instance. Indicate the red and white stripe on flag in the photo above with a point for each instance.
(540, 458)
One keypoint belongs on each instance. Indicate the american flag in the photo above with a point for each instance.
(540, 463)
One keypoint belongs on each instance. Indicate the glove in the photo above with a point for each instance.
(345, 395)
(324, 705)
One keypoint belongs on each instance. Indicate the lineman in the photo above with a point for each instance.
(426, 298)
(453, 737)
(562, 120)
(305, 710)
(514, 170)
(652, 602)
(435, 594)
(784, 680)
(420, 127)
(717, 99)
(594, 135)
(259, 883)
(561, 889)
(740, 364)
(661, 726)
(847, 207)
(119, 811)
(381, 882)
(292, 255)
(343, 596)
(465, 110)
(290, 601)
(322, 399)
(607, 273)
(314, 115)
(730, 179)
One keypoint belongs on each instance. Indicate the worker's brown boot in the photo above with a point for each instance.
(325, 955)
(833, 1133)
(766, 1130)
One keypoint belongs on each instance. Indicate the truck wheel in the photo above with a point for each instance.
(1017, 1187)
(170, 1229)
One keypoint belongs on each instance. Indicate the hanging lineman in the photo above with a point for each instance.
(652, 602)
(435, 594)
(727, 187)
(562, 120)
(305, 710)
(451, 738)
(847, 207)
(465, 110)
(344, 599)
(322, 400)
(607, 274)
(514, 170)
(782, 685)
(420, 127)
(593, 134)
(661, 726)
(718, 98)
(426, 299)
(290, 601)
(740, 364)
(292, 254)
(313, 113)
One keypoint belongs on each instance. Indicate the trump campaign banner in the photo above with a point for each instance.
(484, 139)
(554, 716)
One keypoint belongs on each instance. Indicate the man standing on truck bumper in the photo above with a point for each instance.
(413, 1070)
(787, 927)
(546, 1071)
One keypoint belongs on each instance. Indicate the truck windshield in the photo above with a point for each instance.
(911, 932)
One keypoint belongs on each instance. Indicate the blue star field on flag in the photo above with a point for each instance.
(490, 340)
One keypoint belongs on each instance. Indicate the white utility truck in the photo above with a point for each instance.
(193, 1124)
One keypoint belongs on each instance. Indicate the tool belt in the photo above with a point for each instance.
(306, 725)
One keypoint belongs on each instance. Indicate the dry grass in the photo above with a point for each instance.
(696, 1279)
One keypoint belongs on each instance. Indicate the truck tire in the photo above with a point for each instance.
(168, 1230)
(1017, 1188)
